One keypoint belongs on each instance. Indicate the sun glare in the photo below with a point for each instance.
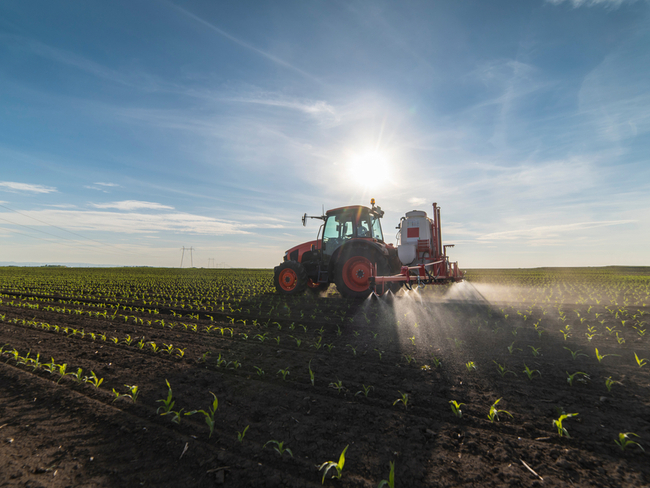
(369, 169)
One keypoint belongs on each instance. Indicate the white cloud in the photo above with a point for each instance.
(106, 184)
(417, 201)
(132, 205)
(11, 185)
(548, 232)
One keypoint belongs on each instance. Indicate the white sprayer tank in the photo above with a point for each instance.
(414, 235)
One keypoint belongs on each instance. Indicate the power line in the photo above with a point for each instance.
(190, 249)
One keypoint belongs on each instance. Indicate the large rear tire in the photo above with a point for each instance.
(353, 270)
(290, 278)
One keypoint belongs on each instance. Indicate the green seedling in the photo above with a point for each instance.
(512, 348)
(530, 372)
(570, 377)
(93, 379)
(311, 373)
(409, 358)
(167, 404)
(284, 373)
(436, 361)
(390, 482)
(576, 354)
(619, 339)
(640, 361)
(279, 447)
(470, 366)
(493, 414)
(338, 386)
(455, 408)
(365, 391)
(177, 416)
(535, 350)
(354, 349)
(624, 441)
(609, 382)
(331, 464)
(260, 371)
(204, 357)
(404, 400)
(502, 369)
(209, 415)
(240, 435)
(180, 352)
(298, 341)
(603, 356)
(561, 431)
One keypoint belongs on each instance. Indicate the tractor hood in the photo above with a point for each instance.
(295, 253)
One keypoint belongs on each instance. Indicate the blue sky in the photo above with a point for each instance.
(132, 129)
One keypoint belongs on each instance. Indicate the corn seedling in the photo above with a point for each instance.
(168, 403)
(535, 350)
(169, 348)
(311, 373)
(409, 358)
(470, 366)
(354, 349)
(331, 464)
(624, 441)
(530, 372)
(455, 408)
(570, 377)
(240, 435)
(603, 356)
(338, 386)
(620, 339)
(501, 368)
(180, 352)
(390, 482)
(493, 414)
(279, 447)
(209, 415)
(404, 399)
(576, 354)
(561, 431)
(93, 379)
(365, 391)
(284, 373)
(609, 382)
(204, 357)
(260, 371)
(436, 361)
(640, 361)
(512, 348)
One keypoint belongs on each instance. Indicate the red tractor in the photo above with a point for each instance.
(350, 251)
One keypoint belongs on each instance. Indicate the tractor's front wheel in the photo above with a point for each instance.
(353, 271)
(290, 278)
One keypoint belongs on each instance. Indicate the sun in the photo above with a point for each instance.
(369, 169)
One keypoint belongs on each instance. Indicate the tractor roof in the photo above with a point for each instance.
(351, 208)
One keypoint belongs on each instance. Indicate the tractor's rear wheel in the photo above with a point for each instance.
(353, 271)
(290, 278)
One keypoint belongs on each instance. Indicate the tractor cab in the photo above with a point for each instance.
(347, 223)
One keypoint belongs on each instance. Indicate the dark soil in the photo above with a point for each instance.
(56, 431)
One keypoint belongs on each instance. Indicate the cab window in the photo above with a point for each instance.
(376, 228)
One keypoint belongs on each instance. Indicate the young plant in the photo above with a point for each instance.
(390, 482)
(338, 386)
(512, 348)
(530, 372)
(493, 414)
(167, 404)
(535, 350)
(603, 356)
(471, 366)
(502, 369)
(240, 435)
(331, 464)
(404, 399)
(311, 373)
(365, 391)
(609, 382)
(640, 361)
(455, 408)
(570, 377)
(93, 379)
(624, 441)
(260, 371)
(436, 361)
(561, 431)
(575, 354)
(209, 415)
(284, 373)
(279, 447)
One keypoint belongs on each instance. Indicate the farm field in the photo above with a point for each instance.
(203, 377)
